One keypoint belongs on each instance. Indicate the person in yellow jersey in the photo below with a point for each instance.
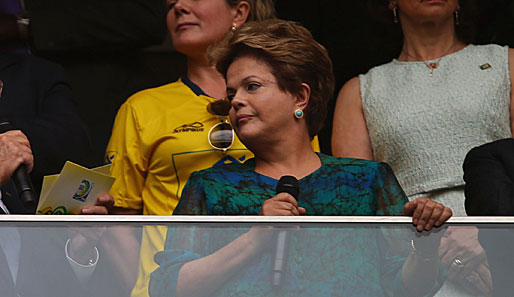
(162, 135)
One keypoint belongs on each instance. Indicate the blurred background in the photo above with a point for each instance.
(355, 40)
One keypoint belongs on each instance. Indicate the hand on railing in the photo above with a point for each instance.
(421, 273)
(427, 213)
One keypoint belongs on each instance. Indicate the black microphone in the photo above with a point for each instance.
(20, 176)
(286, 184)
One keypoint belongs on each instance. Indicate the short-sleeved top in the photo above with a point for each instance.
(159, 137)
(424, 125)
(341, 186)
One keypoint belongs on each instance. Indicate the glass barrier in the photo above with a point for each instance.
(253, 256)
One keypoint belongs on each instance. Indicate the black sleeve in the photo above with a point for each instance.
(96, 25)
(37, 101)
(489, 175)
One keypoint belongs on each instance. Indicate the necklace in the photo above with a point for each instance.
(432, 65)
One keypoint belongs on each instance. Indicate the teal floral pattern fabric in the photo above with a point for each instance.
(322, 261)
(340, 187)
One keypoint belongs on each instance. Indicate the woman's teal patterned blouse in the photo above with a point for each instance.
(341, 186)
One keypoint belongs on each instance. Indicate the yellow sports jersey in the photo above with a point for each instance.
(160, 136)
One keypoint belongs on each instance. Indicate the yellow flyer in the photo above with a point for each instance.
(72, 189)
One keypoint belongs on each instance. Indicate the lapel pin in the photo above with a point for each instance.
(485, 66)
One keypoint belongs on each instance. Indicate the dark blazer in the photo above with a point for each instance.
(100, 45)
(489, 177)
(74, 26)
(36, 99)
(44, 270)
(12, 201)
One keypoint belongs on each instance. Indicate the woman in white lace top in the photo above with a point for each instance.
(423, 112)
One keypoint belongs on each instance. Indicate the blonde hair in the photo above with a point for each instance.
(293, 56)
(260, 10)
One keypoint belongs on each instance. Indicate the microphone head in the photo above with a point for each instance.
(288, 184)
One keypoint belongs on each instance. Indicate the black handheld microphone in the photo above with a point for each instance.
(20, 176)
(286, 184)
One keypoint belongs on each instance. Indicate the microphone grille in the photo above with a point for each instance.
(288, 184)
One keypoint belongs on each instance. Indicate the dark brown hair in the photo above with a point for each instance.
(293, 56)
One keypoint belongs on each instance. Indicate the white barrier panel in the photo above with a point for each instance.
(254, 256)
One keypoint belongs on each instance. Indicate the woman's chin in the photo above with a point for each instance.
(244, 137)
(248, 136)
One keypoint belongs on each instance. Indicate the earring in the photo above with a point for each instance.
(457, 22)
(395, 15)
(233, 28)
(298, 113)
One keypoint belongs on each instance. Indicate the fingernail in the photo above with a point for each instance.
(428, 227)
(86, 210)
(415, 221)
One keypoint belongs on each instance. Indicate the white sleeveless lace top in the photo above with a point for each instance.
(423, 126)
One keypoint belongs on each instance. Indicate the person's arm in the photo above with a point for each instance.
(84, 269)
(40, 105)
(489, 177)
(81, 248)
(196, 273)
(203, 276)
(350, 136)
(391, 200)
(97, 26)
(227, 261)
(128, 163)
(120, 246)
(420, 272)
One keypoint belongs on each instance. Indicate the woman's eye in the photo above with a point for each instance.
(171, 4)
(252, 86)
